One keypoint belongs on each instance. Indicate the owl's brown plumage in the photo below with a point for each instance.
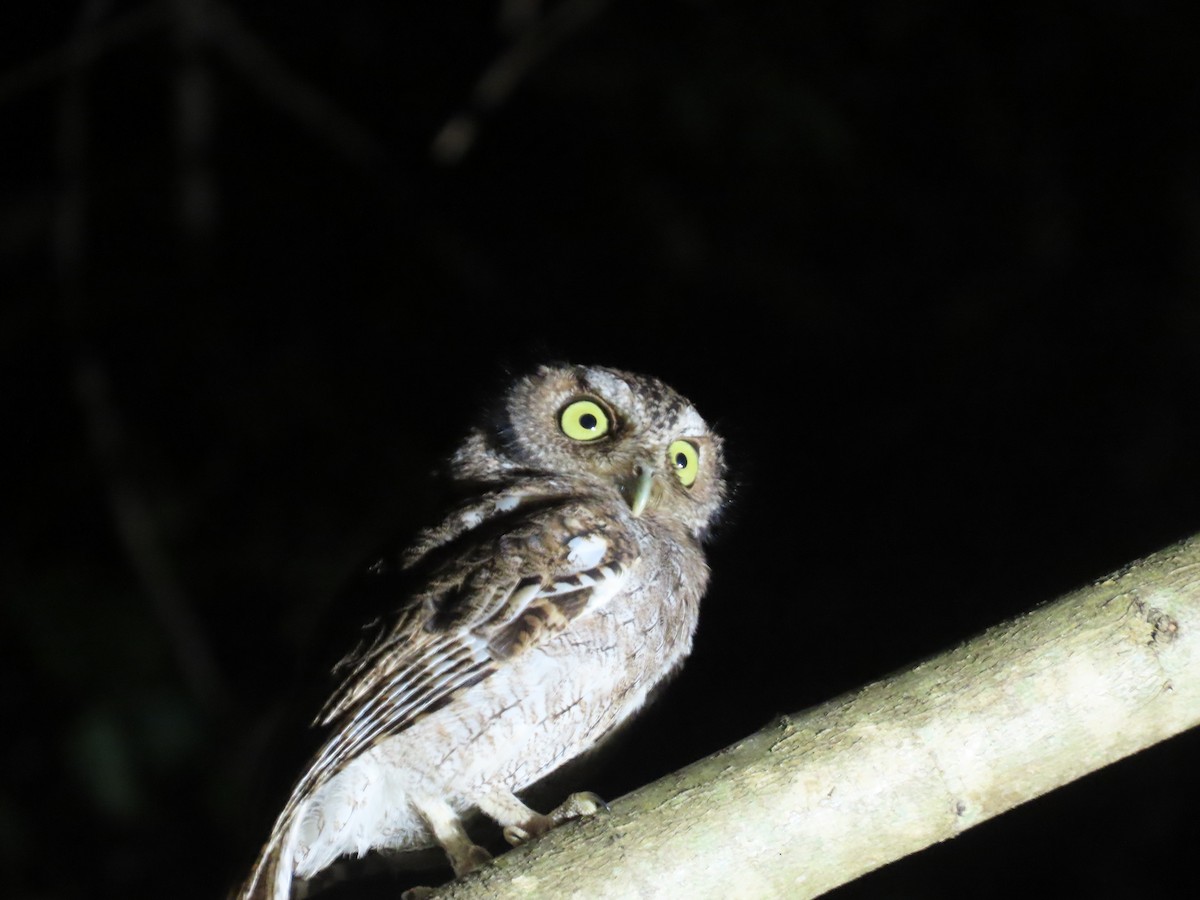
(546, 609)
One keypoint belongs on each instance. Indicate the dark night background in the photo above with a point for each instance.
(934, 273)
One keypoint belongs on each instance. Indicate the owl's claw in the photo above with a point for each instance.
(578, 805)
(470, 859)
(516, 835)
(466, 859)
(520, 824)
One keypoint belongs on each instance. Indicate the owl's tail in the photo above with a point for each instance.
(271, 876)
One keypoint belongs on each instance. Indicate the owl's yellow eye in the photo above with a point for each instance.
(584, 420)
(685, 460)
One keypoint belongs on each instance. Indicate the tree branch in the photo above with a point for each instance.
(818, 798)
(134, 515)
(266, 72)
(82, 49)
(535, 37)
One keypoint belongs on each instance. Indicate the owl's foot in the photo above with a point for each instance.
(470, 859)
(465, 859)
(576, 806)
(465, 855)
(521, 824)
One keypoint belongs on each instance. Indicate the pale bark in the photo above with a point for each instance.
(821, 797)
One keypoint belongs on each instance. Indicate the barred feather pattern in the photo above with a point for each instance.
(546, 609)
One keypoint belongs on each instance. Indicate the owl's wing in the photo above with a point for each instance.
(498, 593)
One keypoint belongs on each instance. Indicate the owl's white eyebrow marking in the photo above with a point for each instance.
(612, 387)
(586, 551)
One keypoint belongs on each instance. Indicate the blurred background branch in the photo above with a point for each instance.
(86, 46)
(534, 34)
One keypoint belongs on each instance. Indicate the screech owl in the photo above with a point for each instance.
(542, 611)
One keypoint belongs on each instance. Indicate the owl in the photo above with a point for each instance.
(538, 615)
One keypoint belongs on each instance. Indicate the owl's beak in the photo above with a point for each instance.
(640, 488)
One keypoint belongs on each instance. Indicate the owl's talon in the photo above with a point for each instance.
(533, 824)
(474, 857)
(516, 835)
(577, 806)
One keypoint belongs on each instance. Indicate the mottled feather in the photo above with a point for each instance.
(530, 621)
(477, 610)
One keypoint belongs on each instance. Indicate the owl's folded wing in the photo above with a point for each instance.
(502, 596)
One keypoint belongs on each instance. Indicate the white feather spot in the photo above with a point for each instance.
(507, 503)
(471, 519)
(586, 550)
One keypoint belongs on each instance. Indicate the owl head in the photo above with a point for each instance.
(604, 430)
